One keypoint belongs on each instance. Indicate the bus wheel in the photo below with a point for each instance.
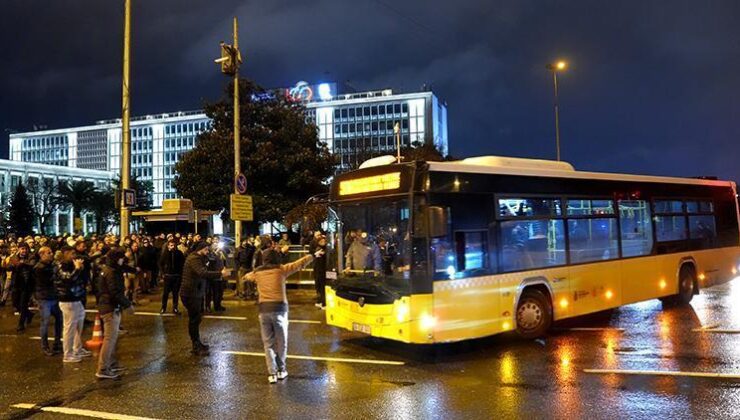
(533, 314)
(685, 293)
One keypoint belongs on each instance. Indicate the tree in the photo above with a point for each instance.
(77, 194)
(102, 205)
(422, 151)
(280, 154)
(46, 200)
(21, 211)
(144, 192)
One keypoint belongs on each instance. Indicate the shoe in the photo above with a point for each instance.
(176, 311)
(20, 329)
(282, 374)
(323, 307)
(272, 379)
(203, 345)
(117, 369)
(57, 349)
(318, 305)
(121, 331)
(73, 359)
(221, 309)
(84, 353)
(162, 311)
(47, 351)
(107, 375)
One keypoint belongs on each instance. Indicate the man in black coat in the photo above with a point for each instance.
(194, 277)
(22, 274)
(111, 302)
(46, 296)
(170, 265)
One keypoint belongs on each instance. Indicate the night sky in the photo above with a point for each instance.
(652, 86)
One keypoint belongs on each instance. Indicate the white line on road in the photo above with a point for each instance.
(664, 373)
(153, 314)
(593, 329)
(716, 331)
(323, 359)
(81, 412)
(234, 318)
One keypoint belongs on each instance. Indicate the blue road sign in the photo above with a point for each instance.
(241, 184)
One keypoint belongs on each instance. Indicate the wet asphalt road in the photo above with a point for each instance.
(499, 377)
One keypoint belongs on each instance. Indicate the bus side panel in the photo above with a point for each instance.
(646, 278)
(717, 266)
(595, 287)
(467, 308)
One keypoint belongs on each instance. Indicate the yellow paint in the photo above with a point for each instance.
(368, 184)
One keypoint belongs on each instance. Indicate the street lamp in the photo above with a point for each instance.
(555, 68)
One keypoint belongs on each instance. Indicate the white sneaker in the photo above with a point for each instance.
(84, 353)
(318, 305)
(73, 359)
(107, 375)
(272, 379)
(282, 374)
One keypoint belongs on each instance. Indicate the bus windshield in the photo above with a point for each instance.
(376, 243)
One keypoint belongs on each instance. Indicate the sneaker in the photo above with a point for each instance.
(272, 379)
(47, 351)
(162, 311)
(72, 359)
(84, 353)
(282, 374)
(199, 351)
(176, 311)
(106, 375)
(117, 369)
(318, 305)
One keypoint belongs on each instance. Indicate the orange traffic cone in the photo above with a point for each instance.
(97, 338)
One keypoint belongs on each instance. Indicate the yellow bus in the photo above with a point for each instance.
(433, 252)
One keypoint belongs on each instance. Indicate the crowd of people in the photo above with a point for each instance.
(57, 274)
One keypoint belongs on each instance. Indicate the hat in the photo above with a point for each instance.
(199, 245)
(116, 253)
(71, 241)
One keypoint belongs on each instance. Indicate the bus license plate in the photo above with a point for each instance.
(365, 329)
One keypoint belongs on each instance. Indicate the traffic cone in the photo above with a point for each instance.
(97, 338)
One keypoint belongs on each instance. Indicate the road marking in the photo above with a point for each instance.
(81, 412)
(593, 329)
(243, 318)
(153, 314)
(664, 373)
(303, 321)
(716, 331)
(323, 359)
(91, 311)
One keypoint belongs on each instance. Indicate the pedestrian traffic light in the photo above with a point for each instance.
(230, 59)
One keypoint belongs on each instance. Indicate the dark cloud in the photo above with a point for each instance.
(651, 88)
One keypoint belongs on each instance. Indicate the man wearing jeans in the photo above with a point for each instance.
(71, 291)
(111, 301)
(273, 306)
(46, 296)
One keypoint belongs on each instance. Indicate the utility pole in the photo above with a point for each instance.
(230, 60)
(125, 120)
(555, 68)
(397, 132)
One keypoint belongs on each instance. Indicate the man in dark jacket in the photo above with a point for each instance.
(46, 296)
(243, 260)
(111, 301)
(170, 265)
(71, 291)
(22, 274)
(194, 277)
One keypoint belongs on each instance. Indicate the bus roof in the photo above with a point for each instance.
(544, 168)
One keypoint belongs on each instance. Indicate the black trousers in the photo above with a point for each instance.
(21, 300)
(195, 315)
(320, 283)
(171, 285)
(214, 293)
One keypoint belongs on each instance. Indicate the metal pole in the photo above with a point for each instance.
(397, 129)
(557, 115)
(125, 130)
(237, 151)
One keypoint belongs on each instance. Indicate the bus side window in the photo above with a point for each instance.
(636, 228)
(471, 249)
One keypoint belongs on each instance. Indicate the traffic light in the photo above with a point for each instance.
(230, 59)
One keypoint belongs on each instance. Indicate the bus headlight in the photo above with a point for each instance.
(402, 312)
(428, 322)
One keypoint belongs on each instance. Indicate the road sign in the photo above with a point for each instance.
(241, 184)
(241, 208)
(129, 198)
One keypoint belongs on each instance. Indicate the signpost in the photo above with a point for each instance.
(241, 208)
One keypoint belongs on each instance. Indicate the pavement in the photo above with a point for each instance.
(639, 361)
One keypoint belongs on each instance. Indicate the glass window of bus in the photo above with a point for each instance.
(668, 206)
(528, 207)
(636, 228)
(530, 244)
(586, 207)
(670, 228)
(703, 228)
(593, 239)
(706, 207)
(377, 240)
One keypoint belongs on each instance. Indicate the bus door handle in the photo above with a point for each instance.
(558, 279)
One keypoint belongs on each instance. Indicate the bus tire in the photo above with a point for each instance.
(686, 285)
(533, 314)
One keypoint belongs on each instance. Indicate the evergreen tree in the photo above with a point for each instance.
(21, 211)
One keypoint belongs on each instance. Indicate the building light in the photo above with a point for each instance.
(325, 92)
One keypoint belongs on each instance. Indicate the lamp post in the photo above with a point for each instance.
(555, 68)
(125, 120)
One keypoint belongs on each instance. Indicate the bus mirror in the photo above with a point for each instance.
(437, 221)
